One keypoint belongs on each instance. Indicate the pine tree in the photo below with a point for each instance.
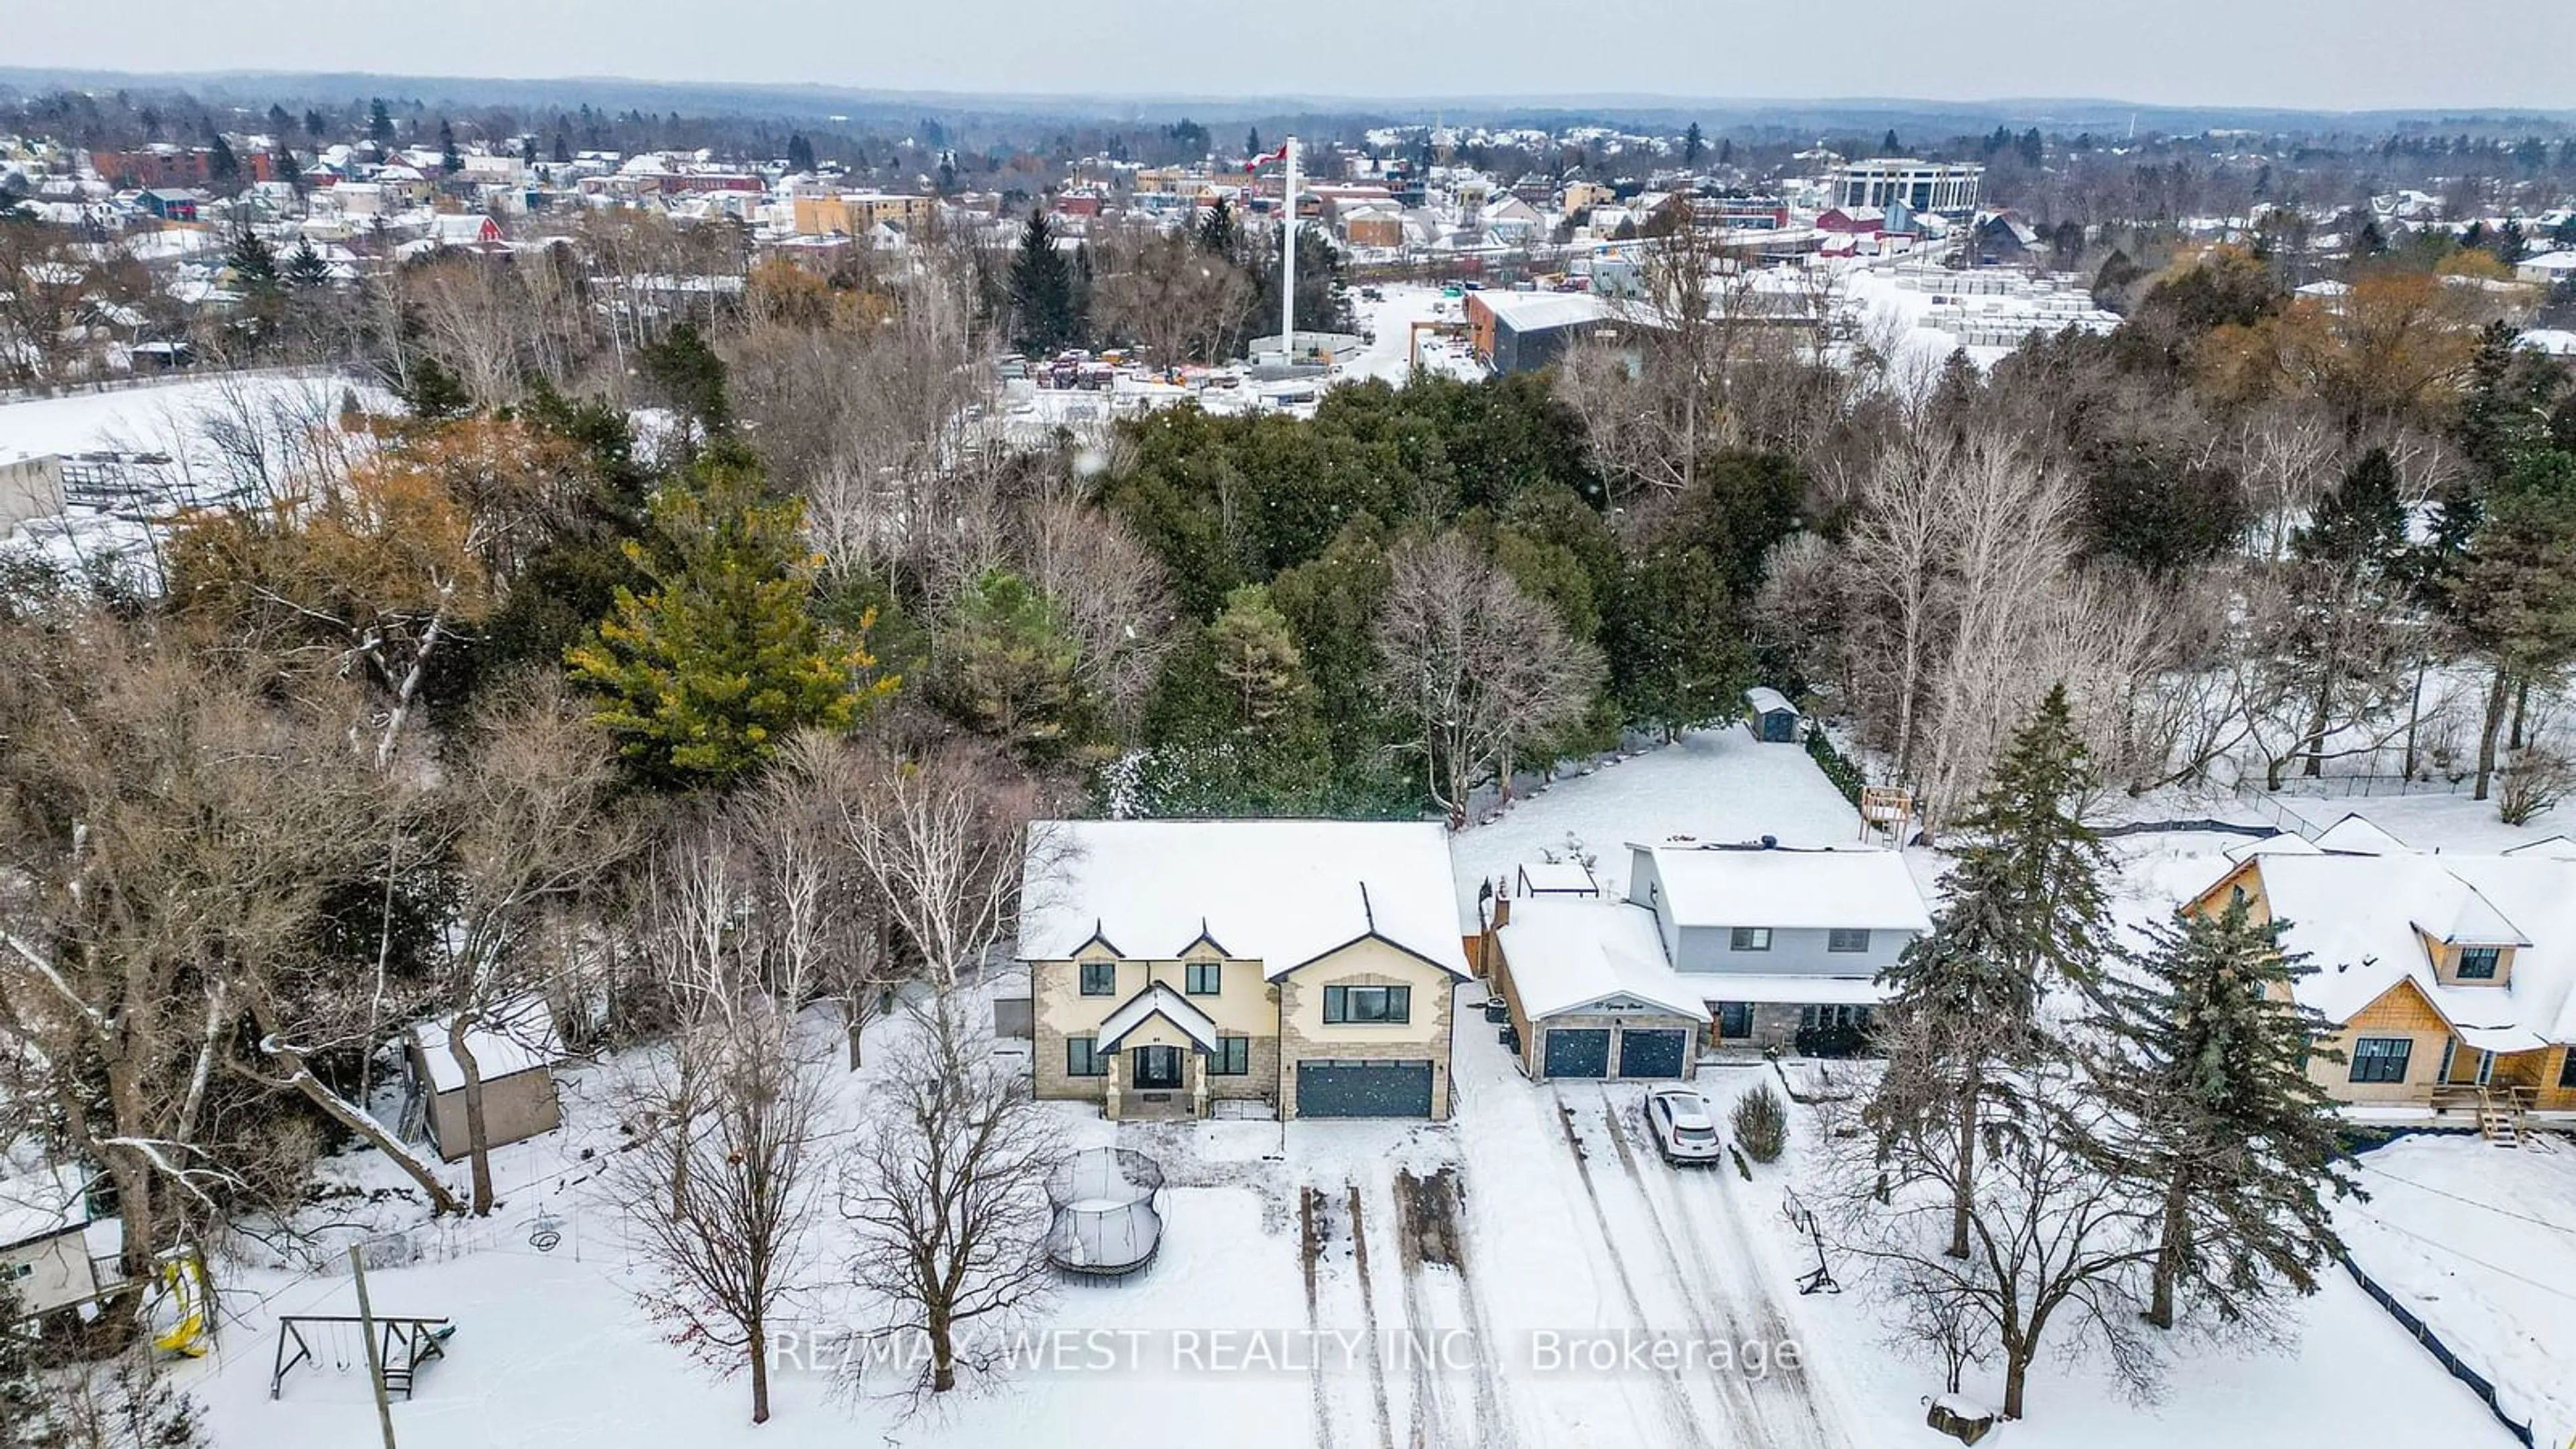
(1216, 234)
(1257, 657)
(1888, 145)
(528, 149)
(380, 122)
(447, 156)
(1692, 144)
(714, 658)
(1252, 143)
(1006, 668)
(1042, 291)
(2207, 1067)
(314, 125)
(690, 377)
(563, 149)
(800, 153)
(254, 265)
(2022, 911)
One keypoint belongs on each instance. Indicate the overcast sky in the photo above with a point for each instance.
(2336, 54)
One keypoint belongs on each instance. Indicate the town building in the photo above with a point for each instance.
(1297, 968)
(1944, 186)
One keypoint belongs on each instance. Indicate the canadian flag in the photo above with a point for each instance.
(1257, 162)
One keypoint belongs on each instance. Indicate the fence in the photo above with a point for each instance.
(2441, 1351)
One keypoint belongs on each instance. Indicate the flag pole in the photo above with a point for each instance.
(1288, 261)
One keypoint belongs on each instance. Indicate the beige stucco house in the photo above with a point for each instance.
(1303, 965)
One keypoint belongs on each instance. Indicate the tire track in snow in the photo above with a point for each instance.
(1786, 1398)
(1679, 1415)
(1428, 1212)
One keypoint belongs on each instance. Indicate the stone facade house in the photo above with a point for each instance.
(1302, 968)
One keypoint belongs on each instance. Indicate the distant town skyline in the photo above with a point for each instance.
(2354, 55)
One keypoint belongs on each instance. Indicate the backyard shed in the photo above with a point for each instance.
(1773, 717)
(45, 1250)
(514, 1049)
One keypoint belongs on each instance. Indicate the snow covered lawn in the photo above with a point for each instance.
(2480, 1242)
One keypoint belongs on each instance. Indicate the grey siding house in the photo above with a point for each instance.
(1778, 938)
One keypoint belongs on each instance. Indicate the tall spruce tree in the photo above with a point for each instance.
(1042, 291)
(380, 122)
(2023, 911)
(2206, 1064)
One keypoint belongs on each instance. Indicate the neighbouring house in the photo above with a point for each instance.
(2002, 240)
(1590, 993)
(1774, 719)
(514, 1050)
(170, 203)
(1783, 943)
(1297, 967)
(31, 486)
(46, 1255)
(465, 229)
(2444, 978)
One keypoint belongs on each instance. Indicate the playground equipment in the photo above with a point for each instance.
(405, 1344)
(1107, 1224)
(190, 1291)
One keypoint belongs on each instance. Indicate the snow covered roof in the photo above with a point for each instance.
(1532, 311)
(2362, 920)
(2282, 844)
(2355, 835)
(518, 1036)
(1281, 892)
(1853, 888)
(45, 1203)
(1766, 700)
(1568, 954)
(1155, 1000)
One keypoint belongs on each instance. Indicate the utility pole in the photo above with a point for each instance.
(375, 1351)
(1288, 260)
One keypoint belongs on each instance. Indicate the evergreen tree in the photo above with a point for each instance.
(528, 149)
(1006, 669)
(715, 657)
(1676, 657)
(304, 269)
(2023, 909)
(1233, 721)
(1692, 144)
(380, 122)
(1216, 234)
(1043, 314)
(563, 149)
(690, 377)
(800, 153)
(1725, 150)
(1888, 145)
(279, 122)
(222, 166)
(2207, 1068)
(1252, 143)
(254, 267)
(447, 156)
(314, 125)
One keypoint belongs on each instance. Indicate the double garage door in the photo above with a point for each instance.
(1643, 1052)
(1363, 1088)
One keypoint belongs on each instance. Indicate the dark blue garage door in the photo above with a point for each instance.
(1578, 1052)
(1652, 1053)
(1364, 1089)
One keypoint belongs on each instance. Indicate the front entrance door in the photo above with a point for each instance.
(1158, 1068)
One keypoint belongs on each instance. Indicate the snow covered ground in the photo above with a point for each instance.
(1389, 358)
(2480, 1243)
(1507, 1278)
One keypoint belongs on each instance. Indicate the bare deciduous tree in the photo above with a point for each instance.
(721, 1185)
(946, 1190)
(942, 830)
(1478, 669)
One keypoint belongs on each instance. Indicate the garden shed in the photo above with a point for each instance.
(1774, 719)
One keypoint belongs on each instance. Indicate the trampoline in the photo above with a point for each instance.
(1107, 1224)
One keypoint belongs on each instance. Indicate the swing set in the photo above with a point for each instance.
(404, 1345)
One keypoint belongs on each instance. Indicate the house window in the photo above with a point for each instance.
(2567, 1068)
(1749, 938)
(1812, 1017)
(1232, 1057)
(1368, 1004)
(1842, 940)
(1099, 978)
(2381, 1058)
(1082, 1057)
(2479, 963)
(1206, 978)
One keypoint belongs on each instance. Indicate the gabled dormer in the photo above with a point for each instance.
(2475, 946)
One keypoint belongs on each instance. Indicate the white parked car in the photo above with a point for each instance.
(1684, 1127)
